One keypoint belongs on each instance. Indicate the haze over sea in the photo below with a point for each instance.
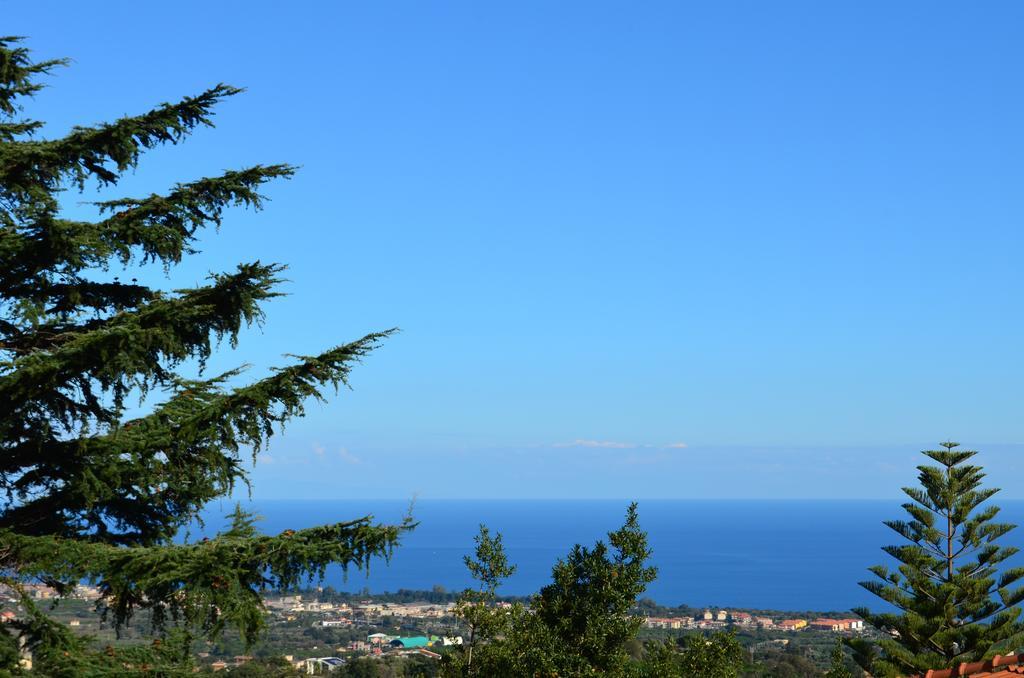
(768, 554)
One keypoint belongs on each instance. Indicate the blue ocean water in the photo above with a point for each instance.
(783, 555)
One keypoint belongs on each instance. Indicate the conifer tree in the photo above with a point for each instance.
(587, 604)
(837, 668)
(579, 624)
(89, 493)
(489, 567)
(956, 599)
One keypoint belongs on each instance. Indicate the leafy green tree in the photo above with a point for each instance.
(660, 660)
(695, 655)
(581, 622)
(957, 601)
(587, 605)
(489, 567)
(91, 493)
(269, 667)
(363, 667)
(718, 655)
(783, 664)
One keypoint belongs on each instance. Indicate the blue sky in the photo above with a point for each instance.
(730, 249)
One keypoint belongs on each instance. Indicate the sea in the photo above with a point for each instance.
(752, 554)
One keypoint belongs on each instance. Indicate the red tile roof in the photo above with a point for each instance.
(986, 669)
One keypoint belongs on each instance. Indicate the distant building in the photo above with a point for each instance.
(792, 624)
(765, 622)
(722, 615)
(319, 607)
(39, 591)
(708, 616)
(86, 592)
(665, 623)
(323, 664)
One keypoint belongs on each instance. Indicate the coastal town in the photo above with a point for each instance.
(317, 632)
(723, 618)
(425, 628)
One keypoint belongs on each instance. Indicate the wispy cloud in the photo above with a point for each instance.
(343, 454)
(348, 457)
(606, 444)
(616, 445)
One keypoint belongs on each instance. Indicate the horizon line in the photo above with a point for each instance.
(416, 499)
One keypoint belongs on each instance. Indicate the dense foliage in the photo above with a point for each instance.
(587, 605)
(89, 492)
(489, 567)
(838, 667)
(696, 655)
(578, 624)
(956, 600)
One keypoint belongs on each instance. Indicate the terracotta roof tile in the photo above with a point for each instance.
(993, 668)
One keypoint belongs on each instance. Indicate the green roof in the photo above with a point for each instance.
(415, 641)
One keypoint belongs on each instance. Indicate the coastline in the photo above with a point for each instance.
(750, 554)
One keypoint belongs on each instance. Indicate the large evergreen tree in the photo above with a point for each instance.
(89, 493)
(956, 600)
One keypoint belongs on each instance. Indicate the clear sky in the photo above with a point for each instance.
(715, 249)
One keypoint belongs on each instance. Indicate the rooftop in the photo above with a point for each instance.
(986, 669)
